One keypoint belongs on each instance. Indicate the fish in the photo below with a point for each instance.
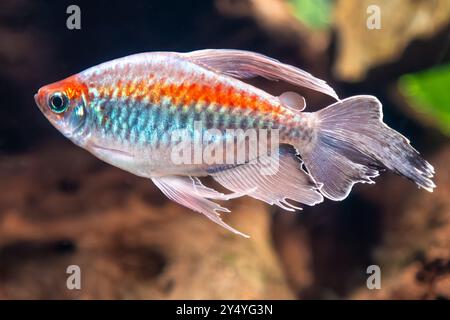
(127, 111)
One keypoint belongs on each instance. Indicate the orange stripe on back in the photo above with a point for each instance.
(194, 93)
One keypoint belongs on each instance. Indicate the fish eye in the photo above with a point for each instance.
(58, 102)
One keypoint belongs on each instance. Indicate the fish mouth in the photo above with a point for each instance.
(38, 100)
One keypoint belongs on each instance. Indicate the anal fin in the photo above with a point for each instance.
(289, 181)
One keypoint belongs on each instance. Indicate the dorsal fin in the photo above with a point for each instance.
(293, 101)
(245, 64)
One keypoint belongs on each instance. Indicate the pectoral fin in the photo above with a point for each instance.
(111, 152)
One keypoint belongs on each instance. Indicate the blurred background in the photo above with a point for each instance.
(60, 206)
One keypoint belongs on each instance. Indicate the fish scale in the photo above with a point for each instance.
(156, 119)
(125, 112)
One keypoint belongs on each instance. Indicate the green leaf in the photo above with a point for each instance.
(428, 92)
(316, 14)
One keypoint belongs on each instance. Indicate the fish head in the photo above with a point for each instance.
(64, 104)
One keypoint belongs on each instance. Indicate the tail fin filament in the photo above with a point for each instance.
(352, 143)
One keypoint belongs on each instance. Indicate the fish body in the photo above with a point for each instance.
(126, 112)
(135, 104)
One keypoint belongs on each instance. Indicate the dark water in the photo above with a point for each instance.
(38, 48)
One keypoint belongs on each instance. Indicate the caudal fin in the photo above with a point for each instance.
(352, 143)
